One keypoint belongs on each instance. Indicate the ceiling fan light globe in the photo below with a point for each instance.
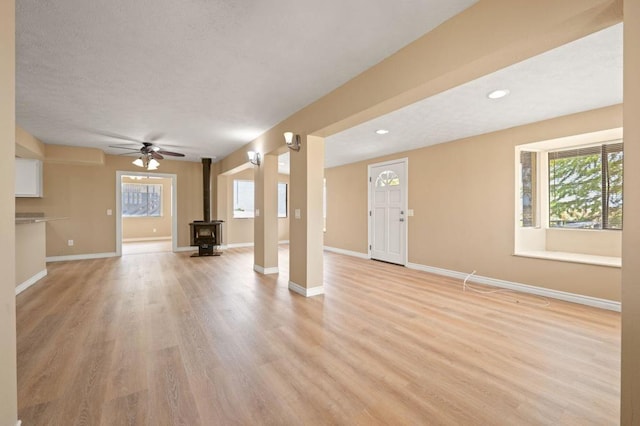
(138, 162)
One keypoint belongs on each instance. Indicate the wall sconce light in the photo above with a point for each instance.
(293, 141)
(254, 158)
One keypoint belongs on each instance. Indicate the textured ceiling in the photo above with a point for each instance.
(201, 77)
(578, 76)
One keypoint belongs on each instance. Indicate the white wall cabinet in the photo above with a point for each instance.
(28, 177)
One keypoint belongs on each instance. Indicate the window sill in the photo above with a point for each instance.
(612, 262)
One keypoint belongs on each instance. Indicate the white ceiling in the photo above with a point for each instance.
(579, 76)
(201, 77)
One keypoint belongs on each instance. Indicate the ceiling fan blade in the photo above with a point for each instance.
(155, 155)
(173, 154)
(154, 136)
(118, 136)
(130, 147)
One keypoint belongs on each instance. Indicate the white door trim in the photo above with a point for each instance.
(405, 188)
(174, 206)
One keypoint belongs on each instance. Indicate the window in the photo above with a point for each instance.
(568, 197)
(585, 187)
(282, 199)
(387, 178)
(243, 199)
(243, 196)
(141, 200)
(528, 188)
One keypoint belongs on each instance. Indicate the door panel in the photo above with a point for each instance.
(379, 229)
(388, 225)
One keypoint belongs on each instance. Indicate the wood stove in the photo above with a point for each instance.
(206, 234)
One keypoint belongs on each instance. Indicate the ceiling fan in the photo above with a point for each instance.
(149, 154)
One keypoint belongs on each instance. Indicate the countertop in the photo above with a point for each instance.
(25, 218)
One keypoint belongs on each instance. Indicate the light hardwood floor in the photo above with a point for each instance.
(166, 339)
(145, 247)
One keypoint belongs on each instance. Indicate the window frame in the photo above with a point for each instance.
(603, 150)
(251, 215)
(124, 193)
(286, 200)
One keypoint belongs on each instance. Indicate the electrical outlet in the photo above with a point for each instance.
(109, 212)
(297, 213)
(70, 243)
(154, 229)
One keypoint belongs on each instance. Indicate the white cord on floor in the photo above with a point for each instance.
(544, 304)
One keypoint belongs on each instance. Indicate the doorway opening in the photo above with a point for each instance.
(146, 219)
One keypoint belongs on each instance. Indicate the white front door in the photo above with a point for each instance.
(388, 202)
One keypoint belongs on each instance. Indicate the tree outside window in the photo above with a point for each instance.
(585, 187)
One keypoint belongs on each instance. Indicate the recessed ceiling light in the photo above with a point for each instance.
(497, 94)
(382, 131)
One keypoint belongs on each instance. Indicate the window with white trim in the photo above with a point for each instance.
(243, 199)
(569, 203)
(141, 200)
(243, 195)
(585, 187)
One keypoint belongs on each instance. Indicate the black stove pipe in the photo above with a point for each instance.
(206, 188)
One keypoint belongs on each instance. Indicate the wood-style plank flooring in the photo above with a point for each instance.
(165, 339)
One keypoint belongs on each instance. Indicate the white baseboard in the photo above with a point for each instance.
(347, 252)
(306, 292)
(237, 245)
(80, 257)
(523, 288)
(181, 249)
(31, 281)
(135, 240)
(242, 245)
(266, 271)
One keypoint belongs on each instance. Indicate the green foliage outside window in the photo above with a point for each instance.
(585, 187)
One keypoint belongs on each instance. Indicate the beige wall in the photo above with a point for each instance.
(631, 234)
(347, 198)
(30, 251)
(240, 231)
(463, 196)
(138, 228)
(83, 193)
(8, 387)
